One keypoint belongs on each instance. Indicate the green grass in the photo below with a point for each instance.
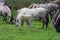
(11, 32)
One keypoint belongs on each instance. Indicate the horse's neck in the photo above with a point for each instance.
(8, 10)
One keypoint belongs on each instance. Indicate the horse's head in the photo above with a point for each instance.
(57, 24)
(11, 20)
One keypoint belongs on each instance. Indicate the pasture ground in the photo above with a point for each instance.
(11, 32)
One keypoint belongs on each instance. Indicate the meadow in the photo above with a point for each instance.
(11, 32)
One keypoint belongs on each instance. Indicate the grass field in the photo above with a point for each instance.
(11, 32)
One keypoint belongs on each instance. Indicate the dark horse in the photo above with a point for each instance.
(56, 21)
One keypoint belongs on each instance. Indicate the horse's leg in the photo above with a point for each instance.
(51, 15)
(46, 24)
(43, 24)
(39, 20)
(47, 20)
(29, 23)
(4, 19)
(22, 22)
(4, 16)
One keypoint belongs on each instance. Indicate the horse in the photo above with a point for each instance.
(23, 17)
(4, 11)
(56, 2)
(52, 9)
(32, 14)
(56, 21)
(49, 6)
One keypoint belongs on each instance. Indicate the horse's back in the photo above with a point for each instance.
(34, 11)
(2, 8)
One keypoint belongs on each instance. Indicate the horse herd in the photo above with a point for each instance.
(33, 12)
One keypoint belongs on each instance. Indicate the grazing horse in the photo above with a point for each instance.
(32, 14)
(23, 17)
(56, 20)
(4, 11)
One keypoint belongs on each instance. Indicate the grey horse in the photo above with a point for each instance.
(49, 6)
(5, 11)
(32, 14)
